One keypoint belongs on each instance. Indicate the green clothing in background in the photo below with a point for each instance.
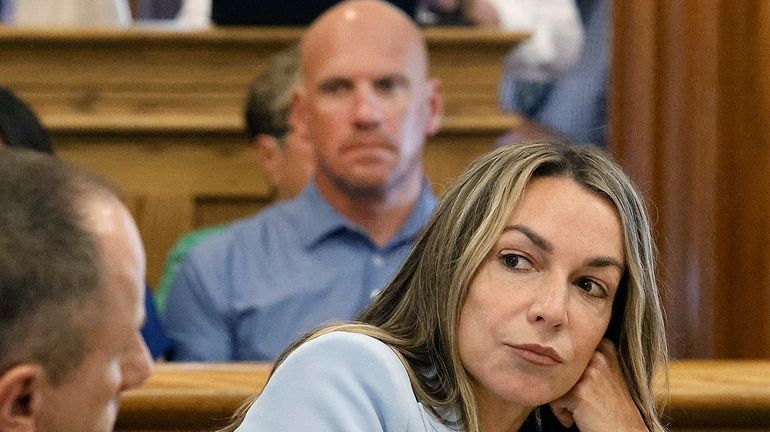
(175, 257)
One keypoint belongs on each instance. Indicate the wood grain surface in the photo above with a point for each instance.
(704, 395)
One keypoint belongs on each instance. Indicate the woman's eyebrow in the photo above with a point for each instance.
(535, 238)
(546, 246)
(605, 261)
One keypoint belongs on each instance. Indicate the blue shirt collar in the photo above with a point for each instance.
(327, 221)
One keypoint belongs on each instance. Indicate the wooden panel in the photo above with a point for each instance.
(743, 230)
(146, 72)
(160, 222)
(688, 124)
(213, 159)
(168, 165)
(190, 396)
(713, 396)
(720, 393)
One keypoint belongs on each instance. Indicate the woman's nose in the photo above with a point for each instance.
(549, 304)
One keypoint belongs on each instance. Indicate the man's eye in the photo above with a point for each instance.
(334, 87)
(389, 84)
(385, 85)
(516, 262)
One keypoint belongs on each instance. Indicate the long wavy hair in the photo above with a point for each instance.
(418, 313)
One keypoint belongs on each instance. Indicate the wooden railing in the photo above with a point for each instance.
(703, 396)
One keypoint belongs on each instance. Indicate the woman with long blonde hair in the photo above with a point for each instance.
(529, 303)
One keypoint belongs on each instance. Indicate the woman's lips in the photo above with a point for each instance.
(538, 354)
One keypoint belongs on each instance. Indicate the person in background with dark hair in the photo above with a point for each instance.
(72, 271)
(21, 129)
(19, 126)
(285, 154)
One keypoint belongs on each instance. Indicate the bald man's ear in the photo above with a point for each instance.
(298, 113)
(435, 105)
(271, 155)
(21, 397)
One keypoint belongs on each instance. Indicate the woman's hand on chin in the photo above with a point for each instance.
(600, 401)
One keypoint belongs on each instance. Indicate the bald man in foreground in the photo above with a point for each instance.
(368, 106)
(72, 288)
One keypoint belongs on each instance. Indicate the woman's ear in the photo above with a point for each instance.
(20, 397)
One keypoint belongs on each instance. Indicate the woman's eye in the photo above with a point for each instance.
(591, 287)
(516, 262)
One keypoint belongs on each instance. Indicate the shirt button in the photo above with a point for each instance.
(378, 261)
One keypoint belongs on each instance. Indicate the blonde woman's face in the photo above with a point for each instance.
(541, 301)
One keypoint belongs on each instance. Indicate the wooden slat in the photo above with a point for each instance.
(689, 104)
(160, 222)
(203, 156)
(190, 396)
(723, 393)
(704, 396)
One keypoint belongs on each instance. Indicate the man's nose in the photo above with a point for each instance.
(368, 107)
(137, 364)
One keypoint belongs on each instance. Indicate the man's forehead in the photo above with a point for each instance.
(372, 61)
(363, 32)
(351, 74)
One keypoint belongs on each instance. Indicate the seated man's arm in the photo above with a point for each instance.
(195, 317)
(185, 244)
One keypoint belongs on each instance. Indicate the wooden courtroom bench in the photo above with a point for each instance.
(705, 396)
(159, 113)
(158, 72)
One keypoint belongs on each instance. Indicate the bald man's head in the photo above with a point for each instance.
(367, 20)
(366, 101)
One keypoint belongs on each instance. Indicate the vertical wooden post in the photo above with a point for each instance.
(690, 96)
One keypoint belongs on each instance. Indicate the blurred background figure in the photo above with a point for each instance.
(203, 13)
(19, 126)
(21, 129)
(286, 156)
(567, 100)
(557, 79)
(368, 106)
(5, 11)
(76, 13)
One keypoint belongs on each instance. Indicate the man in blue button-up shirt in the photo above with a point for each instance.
(368, 105)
